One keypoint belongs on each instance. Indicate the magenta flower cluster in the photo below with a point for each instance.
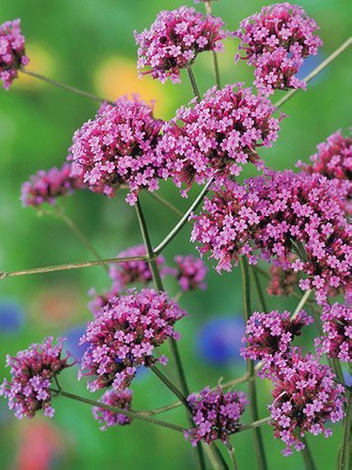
(174, 40)
(124, 336)
(33, 371)
(216, 415)
(305, 398)
(337, 326)
(267, 334)
(190, 272)
(108, 418)
(12, 51)
(218, 135)
(278, 214)
(276, 41)
(119, 147)
(47, 186)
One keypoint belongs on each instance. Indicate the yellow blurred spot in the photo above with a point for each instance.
(41, 61)
(118, 76)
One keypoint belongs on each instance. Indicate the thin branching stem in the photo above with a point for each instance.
(260, 293)
(307, 456)
(171, 387)
(252, 390)
(316, 71)
(64, 86)
(232, 455)
(301, 303)
(193, 81)
(165, 202)
(344, 457)
(209, 12)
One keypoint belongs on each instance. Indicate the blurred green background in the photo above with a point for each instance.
(89, 44)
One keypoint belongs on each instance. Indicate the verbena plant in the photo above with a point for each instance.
(297, 222)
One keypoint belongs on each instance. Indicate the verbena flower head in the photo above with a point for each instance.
(337, 326)
(276, 41)
(174, 40)
(108, 418)
(47, 186)
(190, 273)
(118, 147)
(124, 336)
(218, 135)
(269, 333)
(278, 214)
(305, 398)
(216, 414)
(133, 272)
(33, 371)
(12, 51)
(282, 281)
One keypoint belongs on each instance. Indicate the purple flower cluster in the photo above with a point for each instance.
(124, 335)
(119, 147)
(305, 398)
(276, 41)
(32, 372)
(12, 51)
(216, 414)
(218, 135)
(270, 333)
(132, 272)
(108, 418)
(190, 272)
(337, 326)
(47, 186)
(280, 213)
(282, 281)
(175, 39)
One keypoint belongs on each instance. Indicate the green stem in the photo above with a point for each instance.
(307, 456)
(344, 458)
(131, 414)
(79, 234)
(301, 303)
(260, 293)
(65, 267)
(165, 203)
(252, 391)
(173, 346)
(171, 387)
(209, 12)
(316, 71)
(184, 219)
(232, 454)
(221, 462)
(64, 86)
(193, 81)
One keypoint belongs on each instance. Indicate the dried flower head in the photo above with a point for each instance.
(337, 326)
(174, 40)
(276, 41)
(269, 333)
(118, 147)
(278, 214)
(216, 414)
(12, 51)
(305, 398)
(108, 418)
(32, 373)
(124, 336)
(47, 186)
(218, 135)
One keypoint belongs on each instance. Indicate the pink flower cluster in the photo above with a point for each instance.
(32, 373)
(276, 41)
(124, 335)
(190, 272)
(175, 39)
(131, 272)
(12, 51)
(270, 333)
(282, 281)
(280, 213)
(217, 136)
(108, 418)
(216, 414)
(119, 147)
(47, 186)
(305, 398)
(337, 326)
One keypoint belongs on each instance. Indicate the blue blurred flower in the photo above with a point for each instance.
(309, 64)
(73, 335)
(219, 340)
(11, 316)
